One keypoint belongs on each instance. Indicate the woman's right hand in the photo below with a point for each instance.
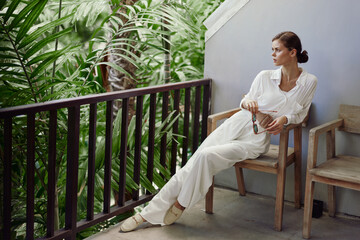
(264, 119)
(251, 105)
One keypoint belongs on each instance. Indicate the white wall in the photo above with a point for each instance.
(330, 32)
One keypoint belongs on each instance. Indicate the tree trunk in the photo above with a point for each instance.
(115, 80)
(167, 55)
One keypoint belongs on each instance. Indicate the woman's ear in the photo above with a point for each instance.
(293, 52)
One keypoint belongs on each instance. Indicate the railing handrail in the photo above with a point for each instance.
(95, 98)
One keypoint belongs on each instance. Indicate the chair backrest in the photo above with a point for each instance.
(351, 116)
(306, 119)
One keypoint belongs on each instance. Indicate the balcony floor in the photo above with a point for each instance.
(237, 217)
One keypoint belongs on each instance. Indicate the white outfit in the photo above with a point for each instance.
(233, 141)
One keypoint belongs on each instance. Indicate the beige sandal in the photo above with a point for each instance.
(131, 223)
(172, 215)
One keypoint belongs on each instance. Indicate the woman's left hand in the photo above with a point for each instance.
(277, 125)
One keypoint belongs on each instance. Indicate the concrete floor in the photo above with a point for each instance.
(237, 217)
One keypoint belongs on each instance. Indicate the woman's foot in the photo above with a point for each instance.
(174, 213)
(132, 222)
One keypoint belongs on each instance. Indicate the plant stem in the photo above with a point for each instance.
(56, 47)
(21, 62)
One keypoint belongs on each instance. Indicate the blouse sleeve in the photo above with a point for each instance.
(255, 90)
(309, 95)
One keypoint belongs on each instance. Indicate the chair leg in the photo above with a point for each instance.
(331, 202)
(209, 199)
(279, 203)
(297, 166)
(240, 180)
(308, 206)
(297, 169)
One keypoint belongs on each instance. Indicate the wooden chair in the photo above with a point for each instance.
(337, 170)
(274, 161)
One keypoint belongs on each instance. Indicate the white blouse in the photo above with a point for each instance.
(293, 104)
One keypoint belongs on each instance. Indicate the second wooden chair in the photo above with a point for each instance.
(337, 170)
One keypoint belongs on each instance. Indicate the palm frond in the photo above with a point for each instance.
(81, 9)
(29, 48)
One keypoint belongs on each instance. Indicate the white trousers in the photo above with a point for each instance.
(232, 142)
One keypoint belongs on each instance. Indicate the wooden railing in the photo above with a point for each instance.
(72, 226)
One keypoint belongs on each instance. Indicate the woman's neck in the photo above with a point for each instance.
(290, 73)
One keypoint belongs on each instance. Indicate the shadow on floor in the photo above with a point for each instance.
(235, 217)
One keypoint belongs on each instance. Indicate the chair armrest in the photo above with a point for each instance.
(287, 128)
(326, 127)
(214, 118)
(314, 139)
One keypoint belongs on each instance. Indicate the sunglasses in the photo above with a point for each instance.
(255, 126)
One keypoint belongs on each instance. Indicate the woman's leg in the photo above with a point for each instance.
(155, 211)
(191, 183)
(208, 162)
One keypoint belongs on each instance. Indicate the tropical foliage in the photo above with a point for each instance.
(55, 49)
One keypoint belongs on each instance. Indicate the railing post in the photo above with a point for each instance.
(151, 141)
(137, 155)
(50, 225)
(7, 178)
(205, 111)
(186, 127)
(195, 142)
(123, 151)
(30, 171)
(108, 155)
(91, 164)
(175, 132)
(164, 115)
(72, 165)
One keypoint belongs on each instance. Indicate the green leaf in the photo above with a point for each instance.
(38, 32)
(4, 49)
(30, 20)
(41, 44)
(117, 20)
(116, 67)
(19, 17)
(7, 64)
(131, 8)
(2, 4)
(134, 61)
(46, 55)
(52, 57)
(11, 9)
(40, 58)
(11, 73)
(7, 56)
(16, 86)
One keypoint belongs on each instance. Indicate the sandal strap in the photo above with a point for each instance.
(176, 211)
(137, 218)
(133, 217)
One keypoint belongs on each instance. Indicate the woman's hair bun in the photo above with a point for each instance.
(303, 57)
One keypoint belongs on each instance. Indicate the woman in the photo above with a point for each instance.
(276, 98)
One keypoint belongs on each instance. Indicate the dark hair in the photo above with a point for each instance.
(292, 41)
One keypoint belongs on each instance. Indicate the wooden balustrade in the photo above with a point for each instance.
(72, 226)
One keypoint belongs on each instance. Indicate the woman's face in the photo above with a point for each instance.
(281, 54)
